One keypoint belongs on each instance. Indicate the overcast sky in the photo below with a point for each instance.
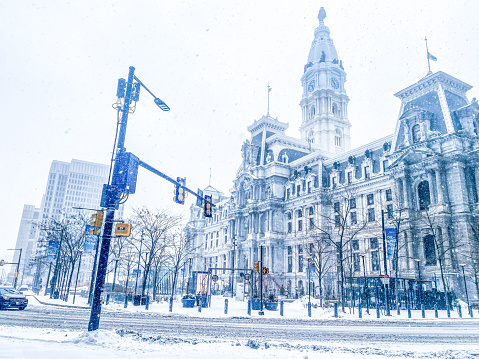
(210, 61)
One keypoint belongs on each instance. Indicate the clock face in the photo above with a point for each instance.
(311, 86)
(334, 83)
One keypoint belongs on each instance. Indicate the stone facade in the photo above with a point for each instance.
(314, 199)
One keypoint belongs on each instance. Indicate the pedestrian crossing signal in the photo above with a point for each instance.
(265, 270)
(122, 229)
(207, 206)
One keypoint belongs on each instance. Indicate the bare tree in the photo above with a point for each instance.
(339, 228)
(69, 232)
(151, 231)
(397, 216)
(442, 246)
(179, 249)
(321, 255)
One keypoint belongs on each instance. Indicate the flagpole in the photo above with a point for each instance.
(269, 90)
(427, 55)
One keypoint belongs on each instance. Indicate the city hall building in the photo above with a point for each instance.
(315, 202)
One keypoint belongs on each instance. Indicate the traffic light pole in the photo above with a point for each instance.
(110, 211)
(114, 191)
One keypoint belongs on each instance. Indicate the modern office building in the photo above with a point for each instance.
(72, 188)
(315, 202)
(26, 239)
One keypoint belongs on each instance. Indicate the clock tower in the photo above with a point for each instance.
(324, 102)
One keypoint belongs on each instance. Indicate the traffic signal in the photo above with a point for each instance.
(2, 263)
(122, 229)
(265, 270)
(207, 206)
(97, 221)
(256, 267)
(179, 191)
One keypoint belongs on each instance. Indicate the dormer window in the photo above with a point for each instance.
(367, 172)
(416, 133)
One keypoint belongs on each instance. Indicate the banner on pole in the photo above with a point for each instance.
(310, 274)
(90, 244)
(390, 241)
(52, 250)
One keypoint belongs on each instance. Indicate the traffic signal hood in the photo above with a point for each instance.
(207, 204)
(179, 191)
(97, 219)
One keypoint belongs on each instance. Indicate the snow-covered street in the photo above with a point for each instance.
(41, 330)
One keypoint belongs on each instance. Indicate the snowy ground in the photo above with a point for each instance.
(41, 343)
(297, 309)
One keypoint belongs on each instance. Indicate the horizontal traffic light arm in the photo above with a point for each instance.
(176, 183)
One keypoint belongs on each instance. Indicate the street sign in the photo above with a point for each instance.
(385, 279)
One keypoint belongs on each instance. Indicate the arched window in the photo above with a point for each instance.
(337, 137)
(423, 195)
(416, 133)
(311, 137)
(429, 250)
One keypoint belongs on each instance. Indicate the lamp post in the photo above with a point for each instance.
(233, 266)
(366, 289)
(114, 274)
(309, 282)
(419, 285)
(138, 268)
(386, 283)
(78, 272)
(465, 284)
(18, 265)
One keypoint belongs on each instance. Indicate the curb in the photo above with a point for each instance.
(56, 305)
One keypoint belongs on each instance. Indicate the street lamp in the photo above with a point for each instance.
(114, 273)
(233, 266)
(465, 284)
(80, 252)
(419, 285)
(366, 289)
(18, 265)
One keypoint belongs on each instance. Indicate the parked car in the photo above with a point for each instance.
(23, 288)
(11, 298)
